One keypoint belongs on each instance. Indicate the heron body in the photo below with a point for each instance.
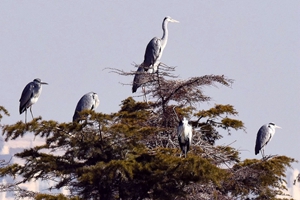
(89, 101)
(153, 53)
(156, 46)
(30, 96)
(185, 135)
(264, 135)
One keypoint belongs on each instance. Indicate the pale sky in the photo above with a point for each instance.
(69, 43)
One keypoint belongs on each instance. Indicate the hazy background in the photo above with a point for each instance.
(69, 43)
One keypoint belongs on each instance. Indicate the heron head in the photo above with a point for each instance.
(272, 124)
(185, 121)
(39, 81)
(169, 19)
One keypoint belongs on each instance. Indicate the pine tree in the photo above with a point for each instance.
(134, 153)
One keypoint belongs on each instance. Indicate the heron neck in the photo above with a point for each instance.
(164, 38)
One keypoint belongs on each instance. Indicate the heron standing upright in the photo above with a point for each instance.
(185, 135)
(30, 95)
(264, 135)
(89, 101)
(156, 46)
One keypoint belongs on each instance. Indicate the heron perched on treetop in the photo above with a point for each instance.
(185, 135)
(152, 55)
(264, 135)
(30, 96)
(156, 46)
(89, 101)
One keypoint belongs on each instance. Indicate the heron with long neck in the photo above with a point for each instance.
(264, 136)
(156, 46)
(152, 56)
(30, 96)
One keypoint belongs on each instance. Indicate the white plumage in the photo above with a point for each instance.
(184, 136)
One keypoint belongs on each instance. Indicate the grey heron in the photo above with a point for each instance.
(156, 46)
(30, 95)
(264, 135)
(185, 135)
(89, 101)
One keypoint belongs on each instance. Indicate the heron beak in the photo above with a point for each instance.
(277, 126)
(44, 83)
(173, 20)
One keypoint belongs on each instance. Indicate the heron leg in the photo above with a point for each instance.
(25, 116)
(144, 91)
(31, 112)
(262, 152)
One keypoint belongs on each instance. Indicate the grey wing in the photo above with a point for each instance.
(27, 94)
(139, 78)
(153, 50)
(179, 133)
(263, 137)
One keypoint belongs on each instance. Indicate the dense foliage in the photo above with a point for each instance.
(134, 153)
